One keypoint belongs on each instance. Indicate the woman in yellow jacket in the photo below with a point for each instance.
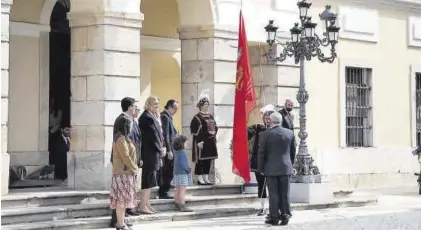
(123, 185)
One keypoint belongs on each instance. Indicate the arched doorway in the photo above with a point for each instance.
(59, 89)
(161, 72)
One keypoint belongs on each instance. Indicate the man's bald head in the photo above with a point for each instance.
(289, 105)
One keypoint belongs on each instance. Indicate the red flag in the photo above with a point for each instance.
(245, 101)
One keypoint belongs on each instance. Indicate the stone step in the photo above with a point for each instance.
(97, 208)
(201, 212)
(19, 198)
(103, 222)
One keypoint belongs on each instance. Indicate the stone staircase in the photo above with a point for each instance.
(68, 210)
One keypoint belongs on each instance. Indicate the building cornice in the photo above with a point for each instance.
(208, 31)
(146, 42)
(408, 5)
(88, 18)
(159, 43)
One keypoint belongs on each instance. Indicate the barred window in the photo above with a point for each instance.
(358, 107)
(418, 106)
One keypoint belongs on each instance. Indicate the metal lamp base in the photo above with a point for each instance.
(307, 179)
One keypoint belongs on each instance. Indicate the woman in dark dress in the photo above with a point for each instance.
(253, 137)
(151, 151)
(203, 129)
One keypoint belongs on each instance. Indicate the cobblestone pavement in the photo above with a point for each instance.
(393, 212)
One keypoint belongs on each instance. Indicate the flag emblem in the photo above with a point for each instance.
(239, 53)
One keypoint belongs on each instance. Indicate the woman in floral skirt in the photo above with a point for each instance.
(123, 185)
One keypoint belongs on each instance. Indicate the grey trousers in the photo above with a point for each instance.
(278, 187)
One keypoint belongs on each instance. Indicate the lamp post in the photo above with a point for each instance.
(304, 45)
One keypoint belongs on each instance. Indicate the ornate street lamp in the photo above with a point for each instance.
(304, 45)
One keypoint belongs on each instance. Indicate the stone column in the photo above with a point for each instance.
(105, 68)
(5, 158)
(273, 83)
(208, 64)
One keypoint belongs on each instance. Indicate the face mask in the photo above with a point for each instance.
(289, 109)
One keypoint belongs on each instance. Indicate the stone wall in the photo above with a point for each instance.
(5, 158)
(105, 68)
(273, 83)
(208, 65)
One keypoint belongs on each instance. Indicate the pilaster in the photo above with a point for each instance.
(208, 65)
(5, 158)
(105, 68)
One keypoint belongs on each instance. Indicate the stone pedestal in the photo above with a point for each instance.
(5, 158)
(208, 64)
(314, 193)
(105, 69)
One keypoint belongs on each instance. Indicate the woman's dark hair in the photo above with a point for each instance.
(202, 102)
(123, 126)
(179, 142)
(126, 103)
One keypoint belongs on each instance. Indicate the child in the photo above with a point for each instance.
(182, 173)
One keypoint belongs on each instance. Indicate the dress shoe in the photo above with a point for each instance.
(183, 208)
(113, 225)
(272, 222)
(200, 183)
(284, 222)
(261, 212)
(114, 221)
(166, 197)
(285, 219)
(125, 227)
(132, 212)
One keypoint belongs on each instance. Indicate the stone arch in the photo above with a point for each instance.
(169, 15)
(197, 12)
(29, 86)
(46, 11)
(28, 96)
(162, 19)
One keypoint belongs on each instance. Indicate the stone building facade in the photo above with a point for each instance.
(179, 48)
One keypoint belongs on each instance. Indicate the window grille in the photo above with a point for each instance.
(358, 107)
(418, 106)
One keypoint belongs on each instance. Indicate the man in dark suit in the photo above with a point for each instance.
(275, 160)
(61, 145)
(129, 110)
(135, 136)
(169, 132)
(287, 116)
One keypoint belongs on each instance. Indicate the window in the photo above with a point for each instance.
(358, 107)
(418, 107)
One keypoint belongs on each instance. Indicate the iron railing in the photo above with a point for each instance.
(358, 107)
